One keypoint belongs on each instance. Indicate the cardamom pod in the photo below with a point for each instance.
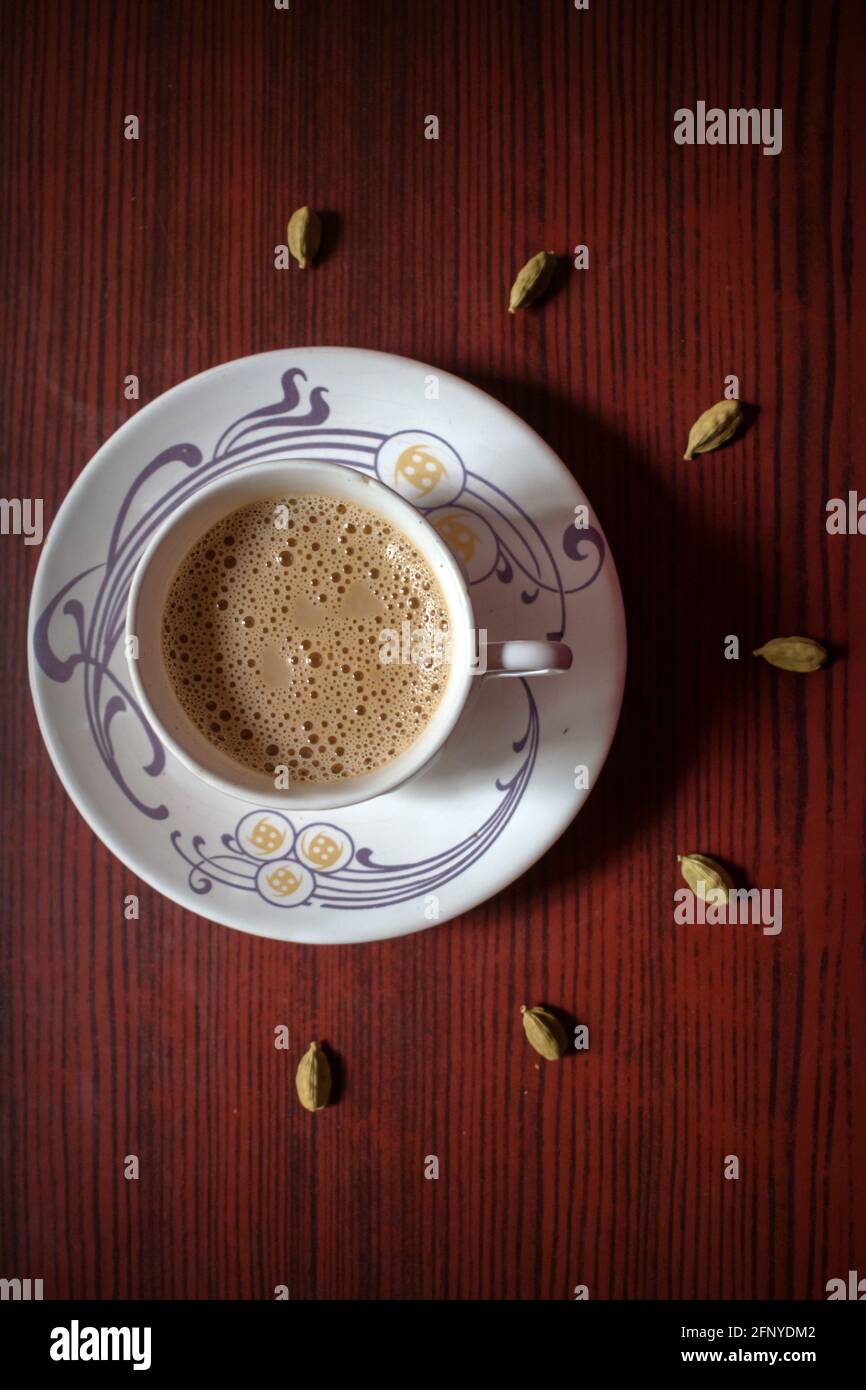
(532, 280)
(714, 427)
(304, 236)
(313, 1080)
(793, 653)
(544, 1032)
(707, 879)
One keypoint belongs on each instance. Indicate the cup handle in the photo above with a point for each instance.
(527, 658)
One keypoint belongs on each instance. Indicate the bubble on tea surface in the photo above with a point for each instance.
(287, 655)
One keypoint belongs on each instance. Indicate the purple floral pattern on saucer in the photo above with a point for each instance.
(493, 537)
(273, 862)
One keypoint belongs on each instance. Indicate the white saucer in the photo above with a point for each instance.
(505, 786)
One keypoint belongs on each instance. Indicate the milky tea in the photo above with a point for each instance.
(273, 631)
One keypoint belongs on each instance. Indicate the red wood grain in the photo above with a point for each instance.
(155, 1037)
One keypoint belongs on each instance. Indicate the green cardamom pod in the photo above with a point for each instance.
(304, 236)
(707, 879)
(313, 1080)
(532, 280)
(793, 653)
(544, 1032)
(714, 427)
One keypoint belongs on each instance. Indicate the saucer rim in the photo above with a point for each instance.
(83, 801)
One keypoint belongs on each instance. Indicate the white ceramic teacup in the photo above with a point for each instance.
(255, 482)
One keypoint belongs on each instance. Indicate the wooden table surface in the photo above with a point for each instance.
(155, 1038)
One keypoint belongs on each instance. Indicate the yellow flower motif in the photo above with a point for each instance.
(321, 850)
(266, 837)
(457, 535)
(283, 881)
(419, 466)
